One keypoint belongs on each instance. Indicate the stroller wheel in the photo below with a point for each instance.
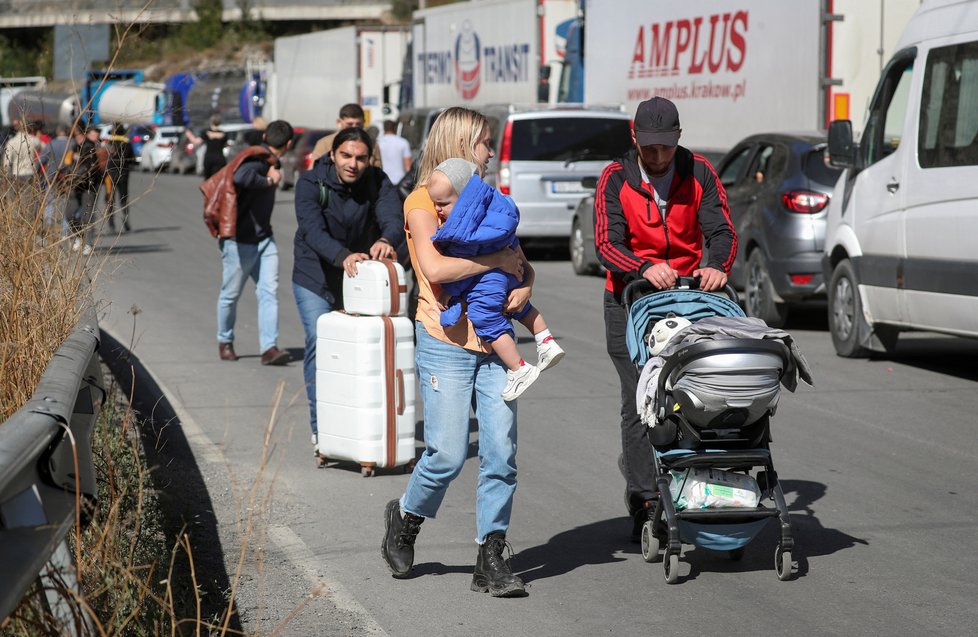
(672, 568)
(736, 554)
(650, 543)
(782, 564)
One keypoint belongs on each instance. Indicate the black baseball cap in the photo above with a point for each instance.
(657, 122)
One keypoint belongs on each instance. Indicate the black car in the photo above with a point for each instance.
(778, 189)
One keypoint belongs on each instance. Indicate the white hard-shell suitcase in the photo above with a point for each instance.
(378, 289)
(365, 390)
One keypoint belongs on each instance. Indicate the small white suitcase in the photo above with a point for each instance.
(365, 390)
(378, 289)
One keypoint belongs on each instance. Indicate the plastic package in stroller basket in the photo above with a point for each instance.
(700, 488)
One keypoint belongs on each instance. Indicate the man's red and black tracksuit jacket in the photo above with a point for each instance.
(630, 234)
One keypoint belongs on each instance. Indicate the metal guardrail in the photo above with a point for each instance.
(45, 472)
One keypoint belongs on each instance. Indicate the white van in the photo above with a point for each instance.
(901, 245)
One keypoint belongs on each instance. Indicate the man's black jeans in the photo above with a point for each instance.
(636, 449)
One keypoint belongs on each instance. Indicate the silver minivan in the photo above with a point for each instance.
(901, 245)
(545, 155)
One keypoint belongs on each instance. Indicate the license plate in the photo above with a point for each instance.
(566, 187)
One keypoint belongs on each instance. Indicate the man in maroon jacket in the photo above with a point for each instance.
(652, 210)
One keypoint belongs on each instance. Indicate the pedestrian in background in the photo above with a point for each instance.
(84, 180)
(688, 204)
(120, 162)
(214, 141)
(351, 116)
(56, 161)
(252, 251)
(357, 217)
(395, 153)
(21, 157)
(456, 371)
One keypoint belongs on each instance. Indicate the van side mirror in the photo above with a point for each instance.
(842, 150)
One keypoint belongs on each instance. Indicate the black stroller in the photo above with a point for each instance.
(708, 400)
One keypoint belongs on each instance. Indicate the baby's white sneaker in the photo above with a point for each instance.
(517, 382)
(549, 353)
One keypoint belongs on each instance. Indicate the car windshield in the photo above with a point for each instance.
(816, 167)
(569, 139)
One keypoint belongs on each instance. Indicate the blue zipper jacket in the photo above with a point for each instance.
(354, 218)
(482, 221)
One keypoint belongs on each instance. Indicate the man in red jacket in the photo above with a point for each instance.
(652, 210)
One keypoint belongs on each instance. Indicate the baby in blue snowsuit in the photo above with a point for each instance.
(478, 219)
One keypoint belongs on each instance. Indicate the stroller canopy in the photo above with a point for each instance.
(691, 304)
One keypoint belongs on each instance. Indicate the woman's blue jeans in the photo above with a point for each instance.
(310, 306)
(453, 381)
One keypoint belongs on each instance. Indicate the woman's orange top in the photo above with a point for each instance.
(462, 333)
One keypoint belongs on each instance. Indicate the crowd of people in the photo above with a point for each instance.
(64, 174)
(469, 289)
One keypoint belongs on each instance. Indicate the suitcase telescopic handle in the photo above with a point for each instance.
(399, 375)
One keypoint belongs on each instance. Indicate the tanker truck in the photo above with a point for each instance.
(49, 108)
(131, 103)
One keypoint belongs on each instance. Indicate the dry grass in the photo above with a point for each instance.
(136, 574)
(41, 283)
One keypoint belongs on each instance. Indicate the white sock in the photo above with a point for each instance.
(541, 336)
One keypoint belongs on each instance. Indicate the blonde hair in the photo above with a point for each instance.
(455, 134)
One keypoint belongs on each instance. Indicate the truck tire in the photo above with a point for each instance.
(759, 292)
(846, 320)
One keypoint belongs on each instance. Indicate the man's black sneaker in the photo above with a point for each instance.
(399, 536)
(492, 572)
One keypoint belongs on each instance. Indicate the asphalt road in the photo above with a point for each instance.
(878, 463)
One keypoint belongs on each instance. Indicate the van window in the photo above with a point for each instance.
(949, 108)
(569, 139)
(884, 128)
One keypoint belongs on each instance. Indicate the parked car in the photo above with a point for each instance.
(139, 135)
(183, 161)
(299, 159)
(900, 245)
(778, 187)
(583, 256)
(235, 139)
(157, 152)
(544, 154)
(413, 125)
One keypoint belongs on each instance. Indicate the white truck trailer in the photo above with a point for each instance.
(315, 74)
(738, 67)
(488, 52)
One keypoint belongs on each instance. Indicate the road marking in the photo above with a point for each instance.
(292, 546)
(296, 551)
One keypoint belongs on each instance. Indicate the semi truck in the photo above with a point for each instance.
(48, 107)
(315, 74)
(735, 67)
(10, 86)
(495, 51)
(130, 103)
(95, 84)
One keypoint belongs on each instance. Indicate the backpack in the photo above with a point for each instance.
(221, 195)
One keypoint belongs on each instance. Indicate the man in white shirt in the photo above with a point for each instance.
(395, 153)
